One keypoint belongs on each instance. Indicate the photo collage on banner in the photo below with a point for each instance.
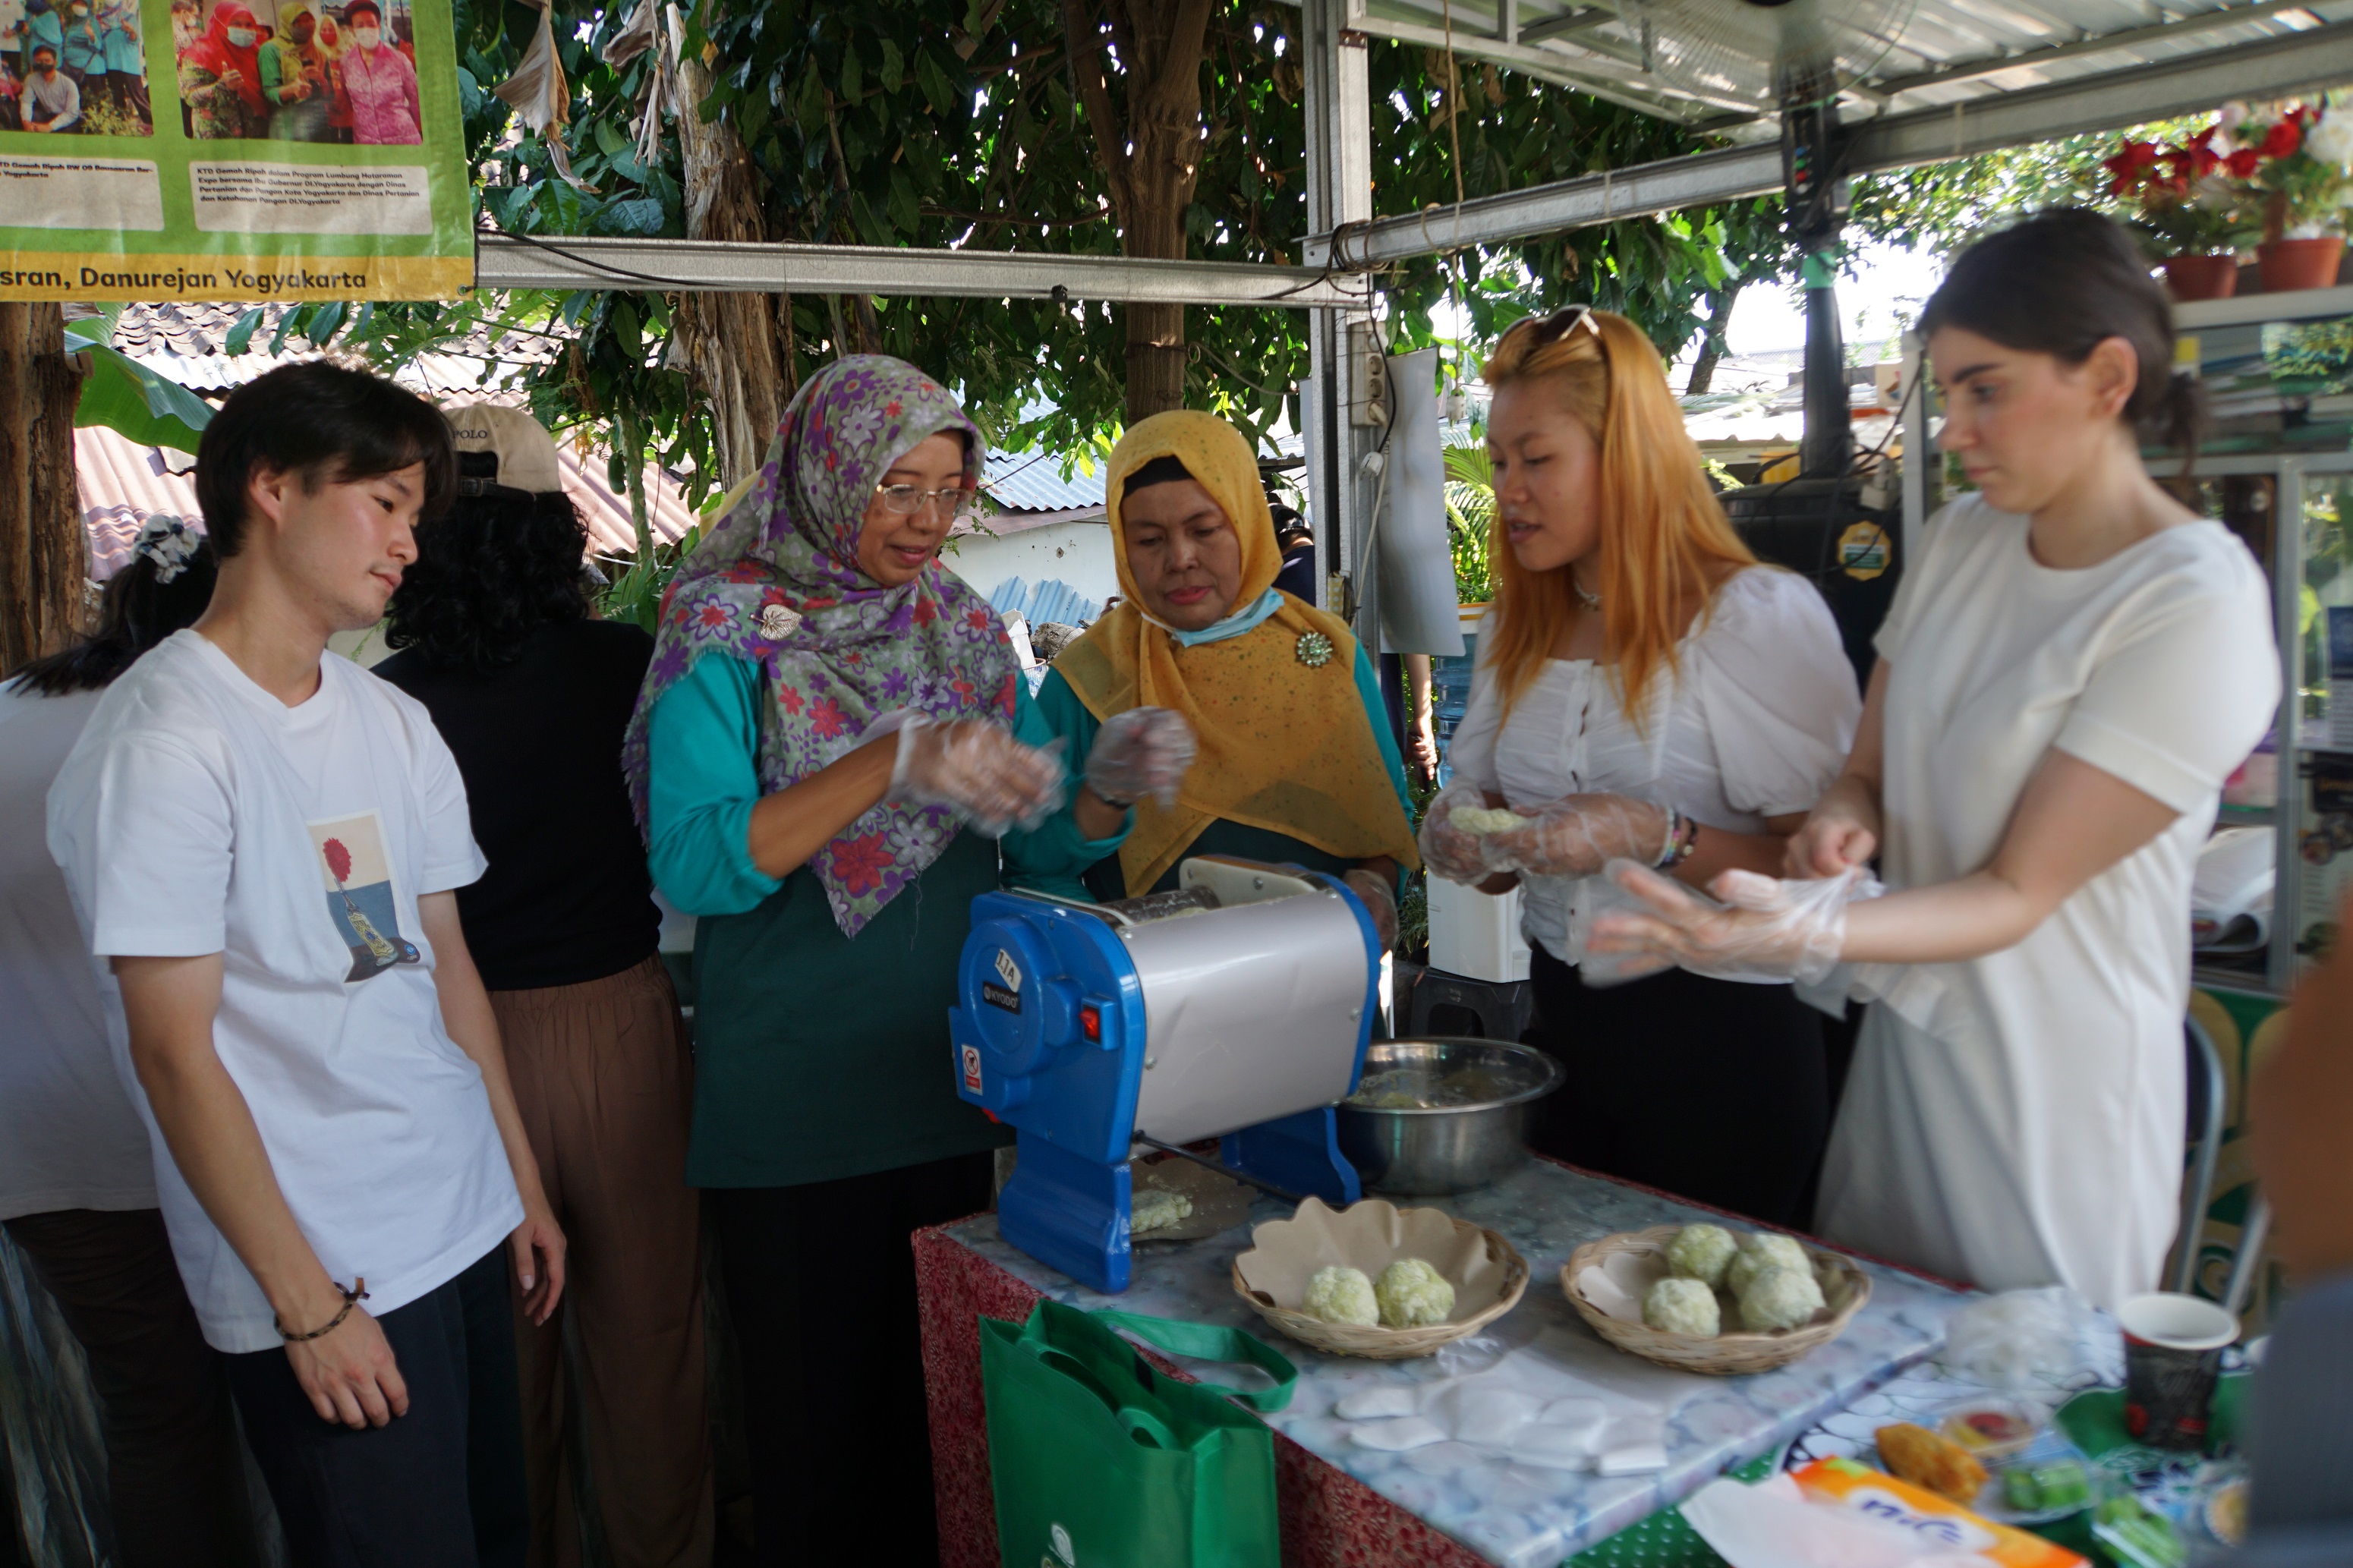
(242, 149)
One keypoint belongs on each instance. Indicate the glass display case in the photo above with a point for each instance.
(2277, 470)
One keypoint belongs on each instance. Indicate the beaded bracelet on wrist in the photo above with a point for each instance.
(352, 1297)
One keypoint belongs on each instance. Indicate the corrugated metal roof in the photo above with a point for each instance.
(1033, 481)
(1947, 51)
(121, 483)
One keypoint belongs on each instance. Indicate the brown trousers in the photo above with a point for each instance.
(604, 1082)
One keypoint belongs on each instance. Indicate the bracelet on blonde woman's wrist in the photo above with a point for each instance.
(1683, 839)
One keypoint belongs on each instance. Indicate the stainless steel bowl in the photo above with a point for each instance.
(1470, 1137)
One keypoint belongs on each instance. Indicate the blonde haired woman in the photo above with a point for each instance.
(1645, 690)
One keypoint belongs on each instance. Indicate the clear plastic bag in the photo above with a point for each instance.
(1765, 928)
(993, 782)
(2019, 1339)
(1143, 751)
(1379, 901)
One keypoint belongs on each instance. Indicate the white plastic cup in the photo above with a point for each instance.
(2173, 1356)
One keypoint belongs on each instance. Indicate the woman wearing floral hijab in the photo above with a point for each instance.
(822, 755)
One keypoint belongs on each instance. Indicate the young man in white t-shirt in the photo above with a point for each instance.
(264, 842)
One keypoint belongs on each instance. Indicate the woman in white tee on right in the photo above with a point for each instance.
(2070, 672)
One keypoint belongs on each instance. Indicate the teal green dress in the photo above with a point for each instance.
(818, 1056)
(1047, 868)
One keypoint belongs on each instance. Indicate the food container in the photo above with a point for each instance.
(1994, 1429)
(1628, 1262)
(1433, 1116)
(1487, 1272)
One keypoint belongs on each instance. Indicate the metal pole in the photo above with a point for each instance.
(1339, 192)
(1917, 455)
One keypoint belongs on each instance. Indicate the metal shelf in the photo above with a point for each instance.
(2297, 305)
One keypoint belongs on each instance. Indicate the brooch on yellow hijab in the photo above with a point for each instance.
(1314, 649)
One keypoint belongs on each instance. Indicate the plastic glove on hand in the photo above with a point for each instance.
(992, 780)
(1764, 928)
(1577, 836)
(1380, 903)
(1446, 849)
(1143, 751)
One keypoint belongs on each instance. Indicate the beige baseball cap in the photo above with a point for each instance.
(524, 451)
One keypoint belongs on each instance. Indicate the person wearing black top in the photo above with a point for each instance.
(1292, 535)
(531, 695)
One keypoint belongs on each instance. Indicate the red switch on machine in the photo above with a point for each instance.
(1091, 1025)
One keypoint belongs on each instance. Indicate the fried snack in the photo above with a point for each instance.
(1917, 1454)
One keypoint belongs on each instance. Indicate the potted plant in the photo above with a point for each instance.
(2303, 170)
(2189, 213)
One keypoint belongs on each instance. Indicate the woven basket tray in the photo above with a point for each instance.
(1501, 1274)
(1724, 1355)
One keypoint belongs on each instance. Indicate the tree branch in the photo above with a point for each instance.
(1083, 38)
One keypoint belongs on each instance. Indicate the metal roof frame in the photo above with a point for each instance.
(511, 261)
(2273, 68)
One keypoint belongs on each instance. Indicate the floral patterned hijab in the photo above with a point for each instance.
(776, 582)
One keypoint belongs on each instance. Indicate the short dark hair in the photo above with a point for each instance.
(40, 49)
(1165, 470)
(134, 613)
(490, 571)
(329, 422)
(2062, 283)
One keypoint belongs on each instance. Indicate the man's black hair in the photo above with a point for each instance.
(327, 422)
(40, 49)
(490, 571)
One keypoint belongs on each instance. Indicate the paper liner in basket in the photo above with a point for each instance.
(1487, 1273)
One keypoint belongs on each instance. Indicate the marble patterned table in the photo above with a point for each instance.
(1452, 1505)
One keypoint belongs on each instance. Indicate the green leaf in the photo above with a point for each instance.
(325, 319)
(852, 78)
(934, 83)
(893, 74)
(124, 396)
(903, 209)
(609, 138)
(287, 323)
(240, 336)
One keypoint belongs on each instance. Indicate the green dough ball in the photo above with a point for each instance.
(1479, 819)
(1412, 1295)
(1342, 1295)
(1760, 1250)
(1157, 1208)
(1702, 1252)
(1679, 1306)
(1779, 1297)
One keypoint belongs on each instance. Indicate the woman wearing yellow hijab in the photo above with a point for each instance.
(1295, 761)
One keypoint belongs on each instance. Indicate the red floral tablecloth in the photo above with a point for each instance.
(1330, 1520)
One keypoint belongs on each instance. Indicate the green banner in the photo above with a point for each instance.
(260, 150)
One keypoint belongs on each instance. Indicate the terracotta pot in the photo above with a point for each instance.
(2202, 277)
(2290, 264)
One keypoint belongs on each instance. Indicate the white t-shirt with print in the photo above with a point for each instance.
(199, 814)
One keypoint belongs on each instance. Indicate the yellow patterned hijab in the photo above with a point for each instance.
(1284, 740)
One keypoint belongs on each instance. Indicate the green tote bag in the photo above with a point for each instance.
(1099, 1461)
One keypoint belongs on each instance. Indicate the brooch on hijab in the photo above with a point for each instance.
(1314, 649)
(777, 622)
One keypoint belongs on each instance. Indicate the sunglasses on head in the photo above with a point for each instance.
(1560, 323)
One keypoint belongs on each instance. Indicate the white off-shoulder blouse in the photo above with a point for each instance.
(1755, 720)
